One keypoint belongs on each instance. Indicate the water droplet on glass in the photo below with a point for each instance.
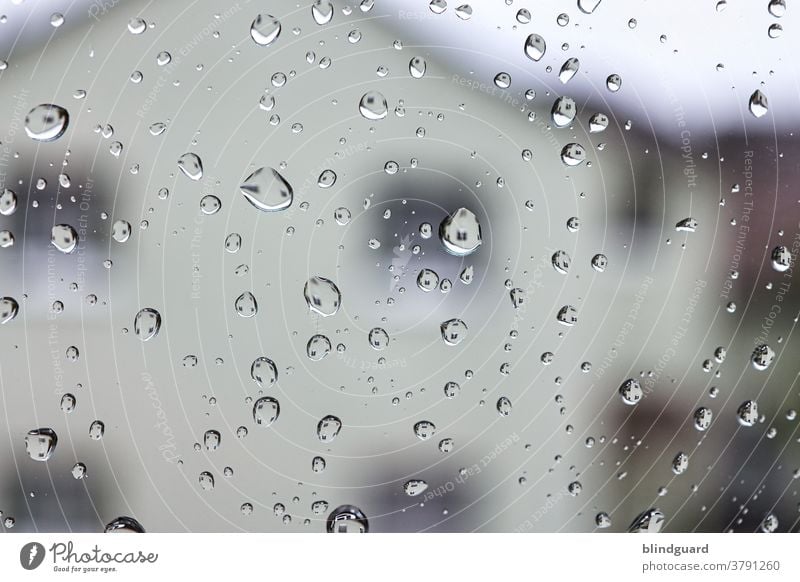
(437, 6)
(631, 391)
(702, 418)
(322, 12)
(264, 372)
(8, 309)
(649, 521)
(328, 428)
(427, 280)
(318, 347)
(121, 231)
(267, 190)
(504, 406)
(64, 238)
(378, 338)
(460, 233)
(265, 29)
(588, 6)
(453, 331)
(414, 487)
(246, 305)
(758, 104)
(322, 296)
(373, 106)
(563, 111)
(46, 122)
(573, 154)
(8, 202)
(747, 413)
(680, 463)
(266, 411)
(568, 70)
(147, 324)
(349, 518)
(781, 259)
(762, 357)
(191, 166)
(326, 179)
(417, 67)
(535, 47)
(614, 83)
(424, 429)
(124, 525)
(40, 443)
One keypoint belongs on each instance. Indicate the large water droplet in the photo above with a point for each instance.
(318, 347)
(124, 525)
(191, 166)
(424, 429)
(504, 406)
(702, 418)
(64, 238)
(758, 104)
(762, 357)
(328, 428)
(417, 67)
(680, 463)
(649, 521)
(147, 324)
(322, 296)
(747, 413)
(8, 309)
(246, 305)
(348, 518)
(427, 280)
(535, 47)
(212, 439)
(588, 6)
(781, 259)
(631, 391)
(265, 29)
(40, 443)
(460, 233)
(8, 202)
(563, 111)
(322, 12)
(573, 154)
(264, 372)
(46, 122)
(414, 487)
(266, 411)
(267, 190)
(373, 106)
(453, 331)
(568, 69)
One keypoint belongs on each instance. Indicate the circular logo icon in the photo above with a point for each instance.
(31, 555)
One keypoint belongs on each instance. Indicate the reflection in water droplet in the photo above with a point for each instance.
(504, 406)
(373, 106)
(680, 463)
(46, 122)
(460, 233)
(762, 357)
(266, 411)
(758, 104)
(267, 190)
(96, 430)
(8, 202)
(631, 391)
(8, 309)
(264, 372)
(322, 11)
(265, 29)
(417, 67)
(568, 70)
(326, 179)
(40, 443)
(535, 47)
(328, 428)
(318, 347)
(124, 525)
(121, 231)
(348, 518)
(414, 487)
(191, 166)
(427, 280)
(649, 521)
(246, 305)
(702, 418)
(453, 331)
(563, 111)
(781, 259)
(747, 413)
(147, 324)
(322, 296)
(378, 338)
(424, 429)
(64, 238)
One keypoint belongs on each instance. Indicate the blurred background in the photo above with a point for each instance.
(531, 432)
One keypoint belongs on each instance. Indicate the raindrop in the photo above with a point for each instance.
(246, 305)
(747, 413)
(64, 238)
(762, 357)
(631, 391)
(8, 309)
(649, 521)
(322, 12)
(326, 179)
(266, 411)
(453, 331)
(424, 429)
(322, 296)
(328, 428)
(191, 166)
(265, 29)
(563, 111)
(264, 372)
(781, 259)
(414, 487)
(535, 47)
(267, 190)
(427, 280)
(147, 324)
(460, 233)
(318, 347)
(46, 122)
(121, 231)
(417, 67)
(124, 525)
(378, 339)
(758, 104)
(373, 106)
(349, 518)
(702, 418)
(40, 443)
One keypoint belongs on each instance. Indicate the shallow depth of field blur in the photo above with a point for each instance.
(399, 265)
